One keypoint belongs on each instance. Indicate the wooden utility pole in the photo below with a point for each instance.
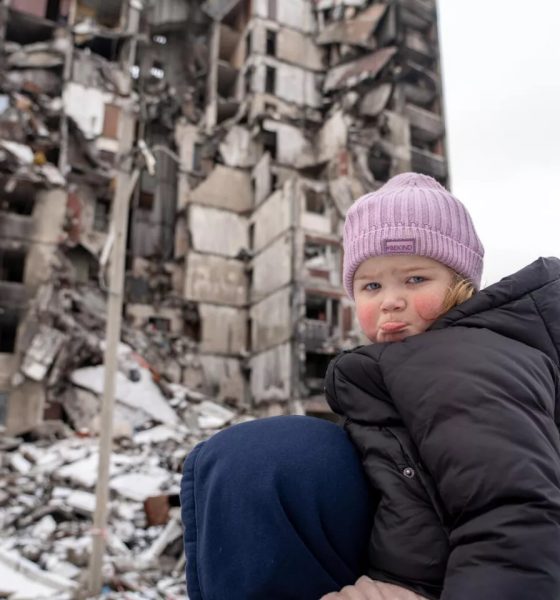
(125, 184)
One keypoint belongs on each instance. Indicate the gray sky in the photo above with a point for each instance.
(501, 69)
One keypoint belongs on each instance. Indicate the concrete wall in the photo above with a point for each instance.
(293, 148)
(223, 378)
(8, 366)
(271, 218)
(291, 46)
(272, 268)
(271, 320)
(297, 14)
(215, 279)
(224, 329)
(25, 407)
(217, 231)
(293, 84)
(239, 148)
(48, 219)
(271, 375)
(225, 188)
(332, 137)
(262, 179)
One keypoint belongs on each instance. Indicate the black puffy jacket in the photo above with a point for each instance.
(458, 432)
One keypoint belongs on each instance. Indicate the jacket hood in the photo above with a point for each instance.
(524, 306)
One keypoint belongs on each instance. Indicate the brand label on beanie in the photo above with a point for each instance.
(399, 246)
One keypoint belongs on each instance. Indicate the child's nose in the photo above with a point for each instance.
(392, 302)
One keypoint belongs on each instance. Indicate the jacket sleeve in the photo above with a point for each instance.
(480, 410)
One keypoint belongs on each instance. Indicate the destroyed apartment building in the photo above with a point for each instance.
(266, 119)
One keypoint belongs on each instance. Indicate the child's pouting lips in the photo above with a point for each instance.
(393, 326)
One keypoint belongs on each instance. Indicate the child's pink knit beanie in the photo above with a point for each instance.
(412, 214)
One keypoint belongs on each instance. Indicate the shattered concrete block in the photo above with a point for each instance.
(212, 415)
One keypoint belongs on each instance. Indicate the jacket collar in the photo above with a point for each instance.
(524, 306)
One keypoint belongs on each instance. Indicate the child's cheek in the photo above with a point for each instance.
(367, 317)
(428, 306)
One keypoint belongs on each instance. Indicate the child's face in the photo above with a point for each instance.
(400, 295)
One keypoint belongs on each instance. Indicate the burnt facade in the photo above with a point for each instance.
(265, 119)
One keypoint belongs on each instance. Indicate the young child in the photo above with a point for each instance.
(456, 428)
(454, 491)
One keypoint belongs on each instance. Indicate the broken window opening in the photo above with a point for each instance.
(251, 235)
(8, 334)
(160, 324)
(270, 143)
(26, 26)
(248, 44)
(379, 163)
(315, 202)
(316, 365)
(271, 42)
(12, 265)
(248, 80)
(101, 215)
(192, 331)
(316, 308)
(321, 320)
(53, 10)
(197, 157)
(18, 204)
(273, 181)
(270, 80)
(146, 201)
(249, 334)
(157, 70)
(106, 47)
(3, 407)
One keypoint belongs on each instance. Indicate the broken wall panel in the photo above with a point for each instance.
(48, 218)
(271, 374)
(239, 148)
(225, 188)
(271, 218)
(215, 279)
(261, 179)
(295, 14)
(223, 379)
(223, 329)
(271, 321)
(291, 147)
(272, 268)
(204, 222)
(288, 82)
(287, 45)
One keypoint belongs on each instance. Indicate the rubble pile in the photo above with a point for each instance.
(47, 503)
(47, 499)
(49, 473)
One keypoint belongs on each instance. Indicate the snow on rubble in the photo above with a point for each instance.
(48, 495)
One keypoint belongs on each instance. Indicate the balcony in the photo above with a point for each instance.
(425, 126)
(428, 163)
(13, 296)
(15, 227)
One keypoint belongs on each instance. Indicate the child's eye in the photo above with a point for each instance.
(416, 279)
(373, 285)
